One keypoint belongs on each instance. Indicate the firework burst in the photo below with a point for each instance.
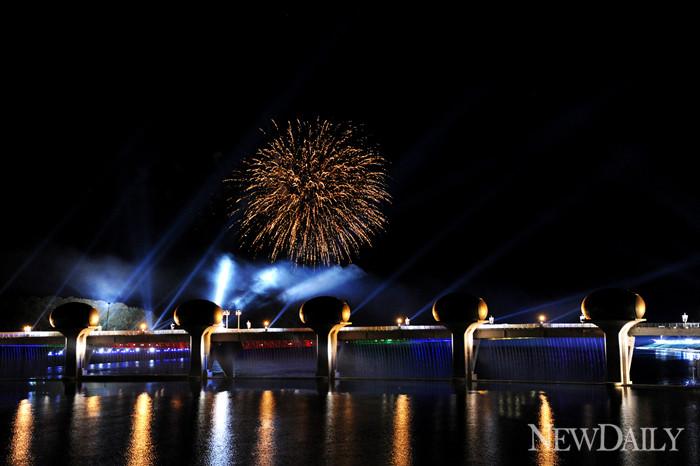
(313, 194)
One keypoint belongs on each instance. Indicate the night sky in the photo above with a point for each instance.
(534, 157)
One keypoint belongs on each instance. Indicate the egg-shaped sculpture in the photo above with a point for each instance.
(613, 304)
(198, 313)
(73, 316)
(324, 310)
(459, 307)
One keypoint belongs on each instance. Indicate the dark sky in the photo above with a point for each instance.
(535, 156)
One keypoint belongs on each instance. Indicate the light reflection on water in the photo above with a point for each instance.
(85, 422)
(546, 451)
(20, 452)
(401, 454)
(265, 449)
(140, 451)
(219, 445)
(355, 422)
(92, 406)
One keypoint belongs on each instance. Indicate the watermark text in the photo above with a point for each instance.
(604, 437)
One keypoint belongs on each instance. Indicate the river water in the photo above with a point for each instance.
(296, 421)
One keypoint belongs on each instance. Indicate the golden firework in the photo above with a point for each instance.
(313, 194)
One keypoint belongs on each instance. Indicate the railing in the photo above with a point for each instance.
(669, 325)
(38, 334)
(485, 326)
(538, 325)
(108, 333)
(350, 328)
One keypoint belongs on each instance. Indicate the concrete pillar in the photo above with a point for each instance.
(200, 318)
(327, 350)
(200, 350)
(619, 349)
(225, 353)
(75, 321)
(464, 351)
(76, 345)
(471, 349)
(615, 311)
(325, 315)
(461, 314)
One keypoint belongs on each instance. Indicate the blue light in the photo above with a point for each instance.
(269, 276)
(322, 281)
(265, 280)
(225, 268)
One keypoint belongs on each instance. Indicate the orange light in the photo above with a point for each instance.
(94, 318)
(542, 317)
(345, 314)
(27, 328)
(266, 324)
(640, 307)
(142, 326)
(399, 321)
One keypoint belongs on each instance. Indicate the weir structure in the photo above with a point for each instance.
(75, 321)
(612, 314)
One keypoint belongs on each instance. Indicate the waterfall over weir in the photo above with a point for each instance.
(536, 359)
(27, 361)
(542, 359)
(395, 359)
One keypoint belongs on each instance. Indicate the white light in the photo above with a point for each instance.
(225, 266)
(321, 282)
(269, 275)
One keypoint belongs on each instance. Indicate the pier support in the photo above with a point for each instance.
(615, 311)
(325, 315)
(461, 314)
(200, 318)
(327, 355)
(76, 344)
(619, 348)
(225, 353)
(200, 351)
(75, 321)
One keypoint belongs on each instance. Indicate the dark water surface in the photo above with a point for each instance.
(295, 421)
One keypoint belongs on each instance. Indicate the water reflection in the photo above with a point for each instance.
(339, 429)
(479, 429)
(402, 440)
(546, 453)
(140, 449)
(289, 422)
(264, 452)
(85, 425)
(510, 405)
(219, 447)
(20, 452)
(92, 406)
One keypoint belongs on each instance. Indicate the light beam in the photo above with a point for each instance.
(225, 269)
